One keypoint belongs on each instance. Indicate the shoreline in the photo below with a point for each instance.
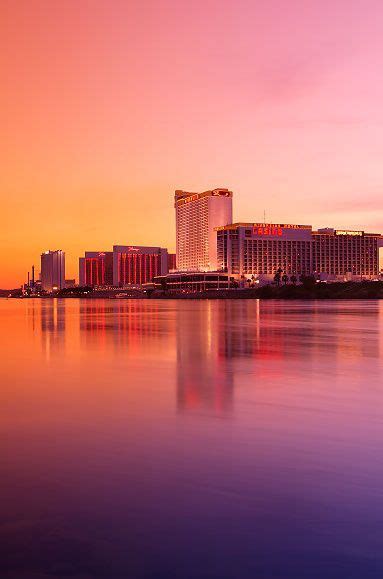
(312, 291)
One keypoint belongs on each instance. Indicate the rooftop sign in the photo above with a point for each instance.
(267, 230)
(345, 232)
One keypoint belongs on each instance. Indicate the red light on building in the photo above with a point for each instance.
(97, 269)
(171, 261)
(268, 230)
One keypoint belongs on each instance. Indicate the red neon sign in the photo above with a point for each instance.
(266, 230)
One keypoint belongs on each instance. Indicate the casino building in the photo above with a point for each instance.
(259, 248)
(346, 253)
(96, 268)
(125, 265)
(246, 249)
(134, 264)
(197, 216)
(53, 270)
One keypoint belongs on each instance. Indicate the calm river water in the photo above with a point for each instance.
(191, 439)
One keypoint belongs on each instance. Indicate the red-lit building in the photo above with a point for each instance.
(172, 261)
(133, 264)
(96, 268)
(260, 248)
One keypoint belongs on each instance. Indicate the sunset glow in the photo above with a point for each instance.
(107, 108)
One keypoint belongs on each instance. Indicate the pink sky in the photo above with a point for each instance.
(106, 107)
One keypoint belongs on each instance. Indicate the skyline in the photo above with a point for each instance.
(271, 230)
(105, 111)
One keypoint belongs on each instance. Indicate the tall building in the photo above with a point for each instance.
(133, 264)
(53, 270)
(339, 252)
(96, 268)
(197, 216)
(259, 248)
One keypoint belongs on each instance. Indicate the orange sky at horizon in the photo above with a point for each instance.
(107, 108)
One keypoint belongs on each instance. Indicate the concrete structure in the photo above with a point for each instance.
(261, 249)
(134, 264)
(193, 281)
(52, 270)
(172, 262)
(346, 255)
(197, 216)
(96, 268)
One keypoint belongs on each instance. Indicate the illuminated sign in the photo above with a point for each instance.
(341, 232)
(281, 226)
(196, 196)
(133, 249)
(267, 230)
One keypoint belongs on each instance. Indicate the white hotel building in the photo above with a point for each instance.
(197, 216)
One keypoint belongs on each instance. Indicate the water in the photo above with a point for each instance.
(179, 439)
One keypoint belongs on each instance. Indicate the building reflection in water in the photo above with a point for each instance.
(133, 328)
(53, 326)
(204, 379)
(214, 344)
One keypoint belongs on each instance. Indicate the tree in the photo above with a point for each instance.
(285, 278)
(277, 276)
(164, 284)
(308, 281)
(293, 279)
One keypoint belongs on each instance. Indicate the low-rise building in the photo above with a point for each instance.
(346, 254)
(135, 264)
(193, 281)
(96, 268)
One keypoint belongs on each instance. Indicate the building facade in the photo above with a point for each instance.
(246, 249)
(172, 262)
(53, 270)
(197, 216)
(193, 281)
(261, 249)
(138, 265)
(96, 268)
(344, 253)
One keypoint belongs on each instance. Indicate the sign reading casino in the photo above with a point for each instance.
(276, 230)
(267, 230)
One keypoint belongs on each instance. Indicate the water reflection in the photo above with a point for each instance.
(205, 380)
(191, 439)
(52, 315)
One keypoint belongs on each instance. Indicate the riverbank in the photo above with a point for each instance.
(316, 291)
(308, 291)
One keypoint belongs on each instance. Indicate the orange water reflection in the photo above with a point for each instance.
(178, 437)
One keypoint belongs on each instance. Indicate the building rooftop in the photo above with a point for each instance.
(265, 225)
(182, 197)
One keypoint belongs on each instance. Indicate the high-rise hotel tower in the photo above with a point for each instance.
(197, 216)
(53, 270)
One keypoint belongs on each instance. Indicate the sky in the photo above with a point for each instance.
(107, 107)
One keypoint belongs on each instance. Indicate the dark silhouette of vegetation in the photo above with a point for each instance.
(277, 276)
(305, 291)
(74, 291)
(164, 285)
